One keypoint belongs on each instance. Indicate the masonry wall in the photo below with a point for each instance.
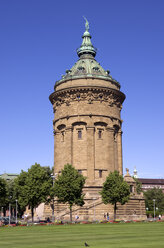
(88, 135)
(87, 128)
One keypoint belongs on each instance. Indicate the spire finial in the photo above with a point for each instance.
(135, 173)
(86, 46)
(127, 172)
(86, 23)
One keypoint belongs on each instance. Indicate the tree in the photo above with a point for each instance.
(115, 190)
(9, 195)
(68, 187)
(156, 194)
(11, 199)
(33, 187)
(3, 192)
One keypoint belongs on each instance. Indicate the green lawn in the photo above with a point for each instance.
(132, 235)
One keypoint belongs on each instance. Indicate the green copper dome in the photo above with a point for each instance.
(87, 66)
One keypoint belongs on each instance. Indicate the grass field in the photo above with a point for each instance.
(129, 235)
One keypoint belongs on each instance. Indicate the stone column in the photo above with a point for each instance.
(72, 146)
(115, 134)
(69, 144)
(119, 149)
(56, 151)
(110, 162)
(90, 153)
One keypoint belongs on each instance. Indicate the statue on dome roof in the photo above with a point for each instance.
(86, 24)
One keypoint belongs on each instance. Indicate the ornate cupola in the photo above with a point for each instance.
(87, 66)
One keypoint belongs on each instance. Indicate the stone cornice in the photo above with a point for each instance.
(87, 93)
(86, 87)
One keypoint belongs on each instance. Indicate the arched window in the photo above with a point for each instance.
(100, 123)
(60, 127)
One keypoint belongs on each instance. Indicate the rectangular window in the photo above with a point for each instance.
(79, 134)
(99, 134)
(100, 173)
(80, 172)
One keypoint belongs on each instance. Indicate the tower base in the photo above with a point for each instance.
(94, 209)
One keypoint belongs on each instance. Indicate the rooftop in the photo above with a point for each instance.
(87, 65)
(9, 176)
(151, 181)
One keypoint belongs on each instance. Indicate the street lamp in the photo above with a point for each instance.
(10, 209)
(154, 208)
(53, 180)
(9, 213)
(16, 210)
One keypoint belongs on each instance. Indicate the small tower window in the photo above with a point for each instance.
(96, 68)
(99, 134)
(78, 96)
(79, 134)
(81, 68)
(131, 188)
(100, 173)
(80, 172)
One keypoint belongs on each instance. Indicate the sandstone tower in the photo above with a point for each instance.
(87, 103)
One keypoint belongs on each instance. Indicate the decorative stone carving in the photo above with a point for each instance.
(86, 94)
(67, 99)
(90, 97)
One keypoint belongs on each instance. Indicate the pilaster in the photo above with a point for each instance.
(56, 151)
(90, 153)
(111, 162)
(69, 144)
(115, 134)
(119, 150)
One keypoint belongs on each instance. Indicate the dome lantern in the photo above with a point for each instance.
(86, 46)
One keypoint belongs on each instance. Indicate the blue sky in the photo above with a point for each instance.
(38, 43)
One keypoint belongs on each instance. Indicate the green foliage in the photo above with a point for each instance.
(156, 194)
(68, 187)
(33, 187)
(3, 192)
(12, 197)
(150, 214)
(9, 195)
(115, 190)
